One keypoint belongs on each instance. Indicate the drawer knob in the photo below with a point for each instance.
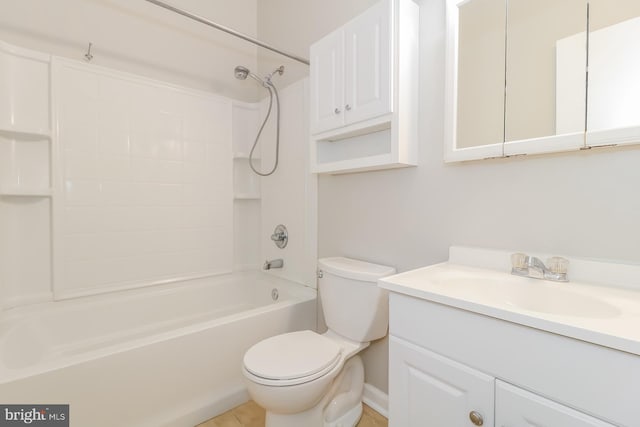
(337, 111)
(476, 418)
(347, 107)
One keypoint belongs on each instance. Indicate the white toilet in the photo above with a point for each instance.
(312, 380)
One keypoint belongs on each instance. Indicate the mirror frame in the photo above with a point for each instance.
(550, 144)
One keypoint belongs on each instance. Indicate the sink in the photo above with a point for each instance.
(600, 305)
(521, 293)
(561, 302)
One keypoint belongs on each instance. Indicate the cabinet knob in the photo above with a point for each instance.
(476, 418)
(347, 107)
(337, 111)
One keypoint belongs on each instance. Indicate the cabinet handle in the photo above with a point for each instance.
(337, 111)
(347, 107)
(476, 418)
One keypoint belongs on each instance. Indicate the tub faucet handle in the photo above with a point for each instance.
(280, 236)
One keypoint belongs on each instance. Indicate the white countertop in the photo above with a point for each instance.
(603, 315)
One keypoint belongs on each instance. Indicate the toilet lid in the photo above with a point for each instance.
(293, 355)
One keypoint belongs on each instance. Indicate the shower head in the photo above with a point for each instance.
(242, 73)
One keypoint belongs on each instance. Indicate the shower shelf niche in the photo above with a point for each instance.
(246, 184)
(25, 176)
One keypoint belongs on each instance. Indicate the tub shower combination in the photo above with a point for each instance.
(119, 291)
(171, 355)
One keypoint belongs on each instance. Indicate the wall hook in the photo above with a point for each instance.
(88, 56)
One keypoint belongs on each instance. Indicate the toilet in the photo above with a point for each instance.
(316, 380)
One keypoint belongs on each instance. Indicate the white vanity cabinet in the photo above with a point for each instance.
(517, 407)
(363, 91)
(430, 390)
(454, 368)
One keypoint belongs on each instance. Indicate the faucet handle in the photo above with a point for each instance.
(558, 265)
(519, 261)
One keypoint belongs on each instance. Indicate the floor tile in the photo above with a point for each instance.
(252, 415)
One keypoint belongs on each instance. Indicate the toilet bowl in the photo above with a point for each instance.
(316, 380)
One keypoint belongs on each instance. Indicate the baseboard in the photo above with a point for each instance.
(376, 399)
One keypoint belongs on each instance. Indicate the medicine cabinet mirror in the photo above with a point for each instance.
(517, 80)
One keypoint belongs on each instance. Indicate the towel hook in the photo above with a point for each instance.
(88, 56)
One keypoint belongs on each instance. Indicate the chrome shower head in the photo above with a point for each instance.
(241, 72)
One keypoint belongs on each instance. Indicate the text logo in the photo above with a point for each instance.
(34, 415)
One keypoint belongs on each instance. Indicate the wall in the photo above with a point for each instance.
(141, 38)
(289, 196)
(573, 203)
(144, 192)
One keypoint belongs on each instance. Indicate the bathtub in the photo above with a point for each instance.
(161, 356)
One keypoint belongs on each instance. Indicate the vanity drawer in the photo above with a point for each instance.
(593, 379)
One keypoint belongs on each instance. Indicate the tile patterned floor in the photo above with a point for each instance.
(251, 415)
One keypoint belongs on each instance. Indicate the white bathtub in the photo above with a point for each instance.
(168, 356)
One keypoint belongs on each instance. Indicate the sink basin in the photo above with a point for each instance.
(562, 299)
(562, 302)
(600, 305)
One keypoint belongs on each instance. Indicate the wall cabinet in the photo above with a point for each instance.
(352, 72)
(450, 367)
(364, 91)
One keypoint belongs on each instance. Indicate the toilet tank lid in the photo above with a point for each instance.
(355, 269)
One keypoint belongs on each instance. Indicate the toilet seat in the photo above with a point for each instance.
(290, 359)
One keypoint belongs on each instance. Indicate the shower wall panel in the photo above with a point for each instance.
(144, 181)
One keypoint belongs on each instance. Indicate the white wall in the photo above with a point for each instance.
(139, 37)
(289, 196)
(578, 203)
(145, 185)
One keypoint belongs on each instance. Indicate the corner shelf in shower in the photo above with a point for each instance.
(246, 196)
(24, 133)
(241, 155)
(19, 192)
(246, 184)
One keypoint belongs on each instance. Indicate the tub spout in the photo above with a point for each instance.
(273, 263)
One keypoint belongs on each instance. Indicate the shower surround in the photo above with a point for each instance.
(126, 220)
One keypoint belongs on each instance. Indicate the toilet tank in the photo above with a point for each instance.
(353, 304)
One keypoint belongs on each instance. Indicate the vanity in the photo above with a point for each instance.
(471, 344)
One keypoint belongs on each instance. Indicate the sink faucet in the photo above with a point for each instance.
(273, 263)
(530, 266)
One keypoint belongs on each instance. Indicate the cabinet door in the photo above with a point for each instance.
(327, 83)
(368, 64)
(429, 390)
(518, 408)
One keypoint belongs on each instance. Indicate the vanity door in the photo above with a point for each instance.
(518, 408)
(429, 390)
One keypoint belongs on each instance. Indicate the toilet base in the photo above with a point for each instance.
(340, 407)
(350, 419)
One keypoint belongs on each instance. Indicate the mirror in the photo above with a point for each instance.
(480, 82)
(545, 87)
(517, 80)
(613, 114)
